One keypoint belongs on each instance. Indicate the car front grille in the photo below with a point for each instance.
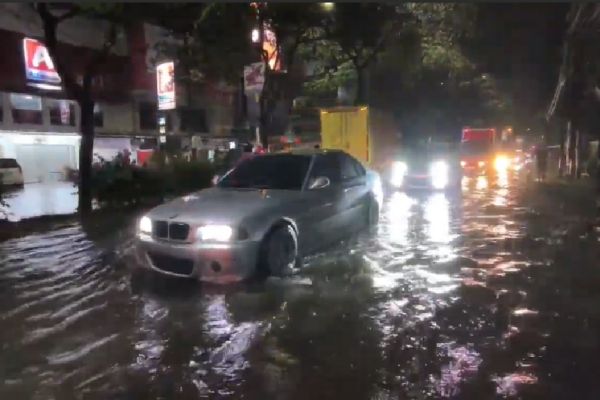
(180, 266)
(173, 230)
(178, 231)
(160, 229)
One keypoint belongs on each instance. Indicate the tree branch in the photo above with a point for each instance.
(101, 56)
(75, 10)
(50, 25)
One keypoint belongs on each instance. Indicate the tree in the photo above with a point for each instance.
(52, 17)
(429, 79)
(348, 41)
(220, 46)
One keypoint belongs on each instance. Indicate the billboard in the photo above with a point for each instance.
(270, 48)
(254, 77)
(39, 67)
(165, 85)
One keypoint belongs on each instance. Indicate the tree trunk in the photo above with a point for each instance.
(562, 155)
(578, 155)
(85, 155)
(571, 153)
(360, 87)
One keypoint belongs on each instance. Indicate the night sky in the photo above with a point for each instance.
(521, 45)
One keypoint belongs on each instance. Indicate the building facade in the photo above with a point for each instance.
(39, 123)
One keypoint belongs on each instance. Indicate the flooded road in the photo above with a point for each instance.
(494, 293)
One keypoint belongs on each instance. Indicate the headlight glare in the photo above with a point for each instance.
(217, 233)
(398, 172)
(439, 174)
(145, 225)
(501, 163)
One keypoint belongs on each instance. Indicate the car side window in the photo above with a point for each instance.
(348, 168)
(327, 165)
(358, 167)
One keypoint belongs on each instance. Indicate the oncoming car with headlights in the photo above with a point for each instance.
(261, 217)
(432, 166)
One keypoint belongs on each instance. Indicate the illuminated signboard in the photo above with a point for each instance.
(271, 49)
(254, 77)
(39, 66)
(165, 85)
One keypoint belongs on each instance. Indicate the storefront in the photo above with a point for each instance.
(39, 124)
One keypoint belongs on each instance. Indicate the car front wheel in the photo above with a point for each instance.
(372, 213)
(279, 253)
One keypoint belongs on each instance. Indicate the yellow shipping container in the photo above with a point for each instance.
(370, 136)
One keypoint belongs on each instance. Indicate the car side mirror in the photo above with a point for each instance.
(320, 182)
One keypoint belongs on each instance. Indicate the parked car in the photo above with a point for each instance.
(11, 173)
(261, 217)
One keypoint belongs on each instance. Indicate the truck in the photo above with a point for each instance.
(483, 150)
(368, 134)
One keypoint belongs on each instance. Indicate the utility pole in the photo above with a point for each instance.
(262, 133)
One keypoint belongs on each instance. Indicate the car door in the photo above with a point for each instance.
(354, 186)
(323, 221)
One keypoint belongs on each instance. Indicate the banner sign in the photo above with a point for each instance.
(165, 85)
(270, 48)
(254, 77)
(39, 66)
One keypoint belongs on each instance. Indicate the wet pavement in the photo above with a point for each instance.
(494, 293)
(36, 199)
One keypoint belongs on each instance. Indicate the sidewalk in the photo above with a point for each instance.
(37, 199)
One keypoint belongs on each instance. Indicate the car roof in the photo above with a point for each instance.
(309, 152)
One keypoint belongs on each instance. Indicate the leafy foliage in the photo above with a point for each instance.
(117, 184)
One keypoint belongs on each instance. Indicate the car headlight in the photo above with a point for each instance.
(217, 233)
(439, 174)
(145, 225)
(501, 163)
(398, 172)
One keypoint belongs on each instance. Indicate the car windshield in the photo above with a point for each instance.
(420, 152)
(475, 147)
(281, 171)
(8, 163)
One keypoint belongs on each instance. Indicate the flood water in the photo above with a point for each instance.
(494, 293)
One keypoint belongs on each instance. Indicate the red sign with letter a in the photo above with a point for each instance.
(39, 66)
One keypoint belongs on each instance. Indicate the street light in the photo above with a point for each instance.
(328, 6)
(255, 35)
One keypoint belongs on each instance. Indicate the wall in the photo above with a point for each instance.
(119, 118)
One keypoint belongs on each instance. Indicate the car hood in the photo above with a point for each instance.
(226, 206)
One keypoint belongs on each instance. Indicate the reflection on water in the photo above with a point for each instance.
(398, 215)
(482, 183)
(437, 303)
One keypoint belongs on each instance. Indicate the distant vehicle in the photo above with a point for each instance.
(477, 150)
(426, 166)
(261, 217)
(11, 173)
(368, 134)
(484, 152)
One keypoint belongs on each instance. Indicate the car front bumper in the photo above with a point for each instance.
(207, 262)
(419, 182)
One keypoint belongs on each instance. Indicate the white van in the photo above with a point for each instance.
(10, 172)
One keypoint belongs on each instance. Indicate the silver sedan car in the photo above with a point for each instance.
(261, 217)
